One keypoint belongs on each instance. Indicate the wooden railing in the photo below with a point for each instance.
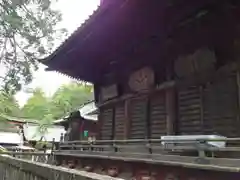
(192, 153)
(12, 168)
(41, 157)
(149, 145)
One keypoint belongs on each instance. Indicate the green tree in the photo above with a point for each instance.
(37, 106)
(43, 126)
(28, 29)
(67, 98)
(9, 105)
(70, 97)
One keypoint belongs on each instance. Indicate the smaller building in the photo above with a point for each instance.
(29, 130)
(81, 124)
(10, 139)
(89, 111)
(14, 124)
(11, 129)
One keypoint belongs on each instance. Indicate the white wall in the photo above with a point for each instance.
(31, 133)
(10, 138)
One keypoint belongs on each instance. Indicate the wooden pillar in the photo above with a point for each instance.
(148, 120)
(113, 122)
(171, 110)
(201, 110)
(99, 124)
(127, 119)
(171, 102)
(238, 88)
(238, 95)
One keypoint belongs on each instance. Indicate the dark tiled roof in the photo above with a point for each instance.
(115, 30)
(88, 21)
(55, 60)
(17, 119)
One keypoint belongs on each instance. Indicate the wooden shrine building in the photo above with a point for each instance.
(159, 67)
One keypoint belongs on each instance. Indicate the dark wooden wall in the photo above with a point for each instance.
(79, 125)
(208, 108)
(205, 97)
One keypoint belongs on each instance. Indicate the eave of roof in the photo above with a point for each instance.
(88, 113)
(84, 34)
(47, 60)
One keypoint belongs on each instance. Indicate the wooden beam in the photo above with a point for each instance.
(170, 110)
(171, 100)
(214, 164)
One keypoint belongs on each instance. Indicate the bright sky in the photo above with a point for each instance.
(74, 12)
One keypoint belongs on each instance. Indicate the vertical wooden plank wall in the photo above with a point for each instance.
(211, 108)
(138, 114)
(106, 115)
(119, 120)
(158, 115)
(189, 111)
(220, 107)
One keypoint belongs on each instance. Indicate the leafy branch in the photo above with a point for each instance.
(28, 29)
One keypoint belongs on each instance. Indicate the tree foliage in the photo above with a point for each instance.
(37, 105)
(45, 109)
(9, 106)
(70, 97)
(66, 99)
(28, 29)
